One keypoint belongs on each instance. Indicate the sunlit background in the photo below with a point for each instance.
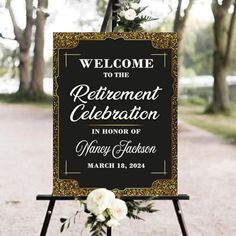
(207, 128)
(87, 16)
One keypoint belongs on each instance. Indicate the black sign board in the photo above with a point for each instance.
(115, 113)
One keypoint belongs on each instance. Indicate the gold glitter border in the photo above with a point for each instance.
(69, 187)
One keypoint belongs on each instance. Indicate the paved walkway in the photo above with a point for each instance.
(207, 172)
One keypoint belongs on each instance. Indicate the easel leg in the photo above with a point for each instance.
(47, 217)
(180, 217)
(109, 231)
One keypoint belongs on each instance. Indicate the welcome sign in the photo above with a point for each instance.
(115, 113)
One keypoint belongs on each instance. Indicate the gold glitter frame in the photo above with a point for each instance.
(70, 187)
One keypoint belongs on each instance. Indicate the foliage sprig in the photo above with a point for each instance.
(129, 16)
(103, 213)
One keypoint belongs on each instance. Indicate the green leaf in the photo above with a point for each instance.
(119, 29)
(62, 228)
(141, 9)
(144, 18)
(136, 207)
(68, 225)
(62, 220)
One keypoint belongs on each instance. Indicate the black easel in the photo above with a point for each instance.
(111, 10)
(175, 199)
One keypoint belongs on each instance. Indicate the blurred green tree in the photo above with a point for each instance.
(198, 48)
(31, 85)
(224, 38)
(181, 17)
(38, 59)
(179, 26)
(23, 37)
(8, 59)
(101, 7)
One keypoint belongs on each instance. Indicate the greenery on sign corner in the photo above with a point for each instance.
(98, 228)
(136, 207)
(129, 16)
(66, 222)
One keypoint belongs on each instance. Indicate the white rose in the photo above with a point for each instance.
(135, 6)
(99, 200)
(101, 218)
(122, 14)
(130, 14)
(118, 209)
(112, 222)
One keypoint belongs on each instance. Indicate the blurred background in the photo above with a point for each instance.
(207, 110)
(207, 51)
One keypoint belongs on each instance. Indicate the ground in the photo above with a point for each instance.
(207, 173)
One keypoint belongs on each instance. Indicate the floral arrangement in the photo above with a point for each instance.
(105, 210)
(130, 17)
